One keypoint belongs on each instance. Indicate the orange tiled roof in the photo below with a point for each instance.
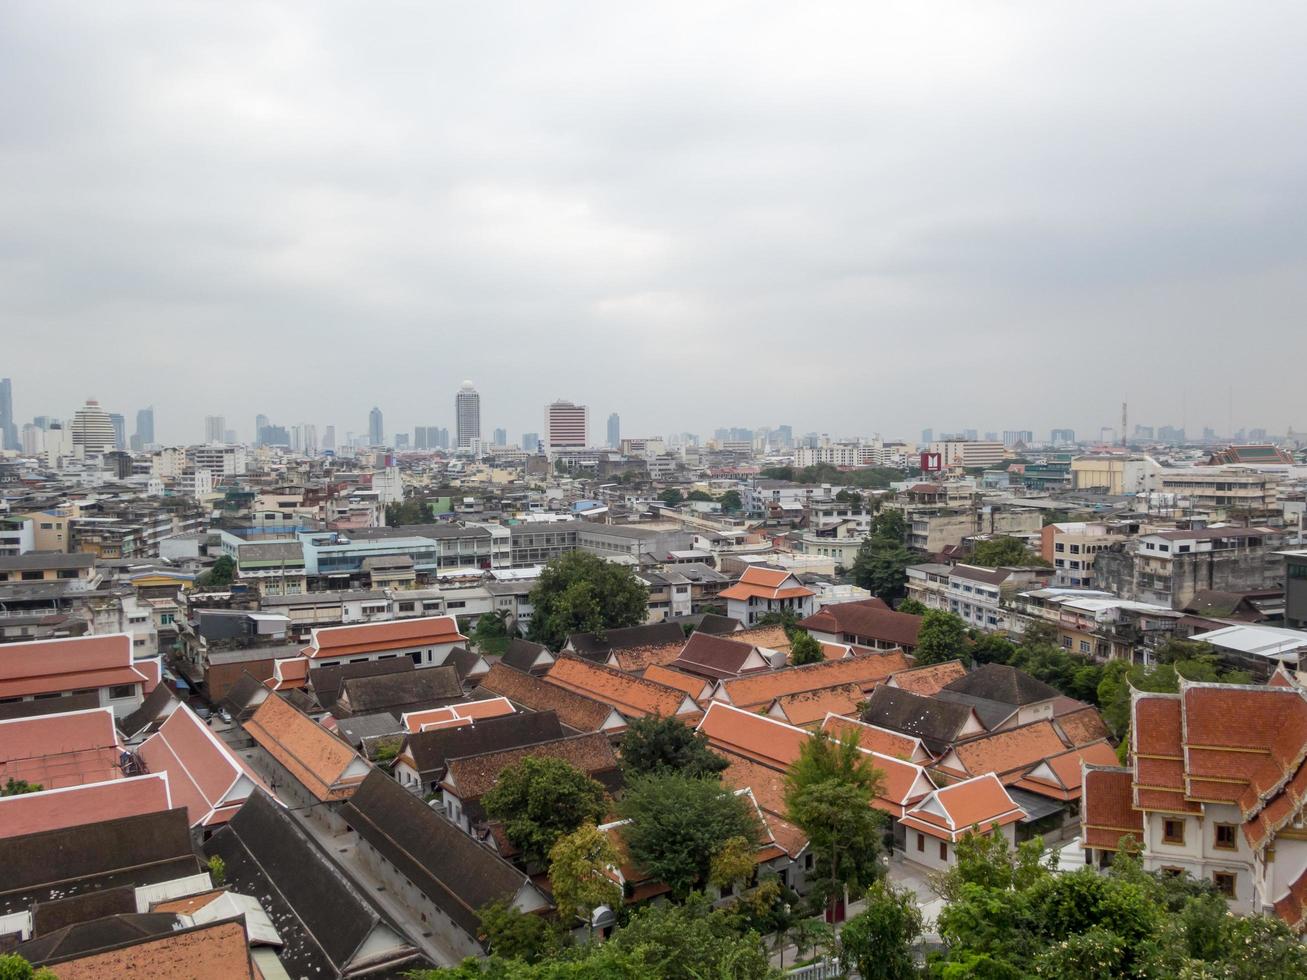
(72, 806)
(633, 696)
(49, 666)
(753, 736)
(765, 583)
(754, 690)
(289, 674)
(1083, 726)
(216, 951)
(633, 660)
(1059, 776)
(695, 687)
(928, 680)
(981, 801)
(808, 708)
(576, 711)
(314, 756)
(63, 749)
(1108, 812)
(348, 641)
(873, 738)
(1007, 753)
(456, 715)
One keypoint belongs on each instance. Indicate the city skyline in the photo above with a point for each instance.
(917, 220)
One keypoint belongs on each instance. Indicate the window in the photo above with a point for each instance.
(809, 862)
(1225, 882)
(1084, 646)
(1173, 831)
(1059, 547)
(1066, 642)
(921, 842)
(120, 691)
(1075, 549)
(943, 850)
(1225, 839)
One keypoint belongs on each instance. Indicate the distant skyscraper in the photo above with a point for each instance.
(1012, 437)
(229, 436)
(92, 428)
(530, 442)
(376, 429)
(785, 436)
(969, 434)
(119, 430)
(8, 428)
(329, 438)
(614, 431)
(927, 435)
(566, 426)
(33, 440)
(467, 416)
(145, 426)
(215, 428)
(1062, 437)
(310, 440)
(501, 437)
(401, 440)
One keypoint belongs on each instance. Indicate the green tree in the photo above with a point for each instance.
(700, 496)
(1004, 550)
(734, 864)
(1119, 677)
(220, 574)
(912, 607)
(217, 870)
(828, 794)
(671, 497)
(731, 502)
(17, 787)
(804, 649)
(14, 967)
(941, 637)
(879, 941)
(515, 935)
(654, 744)
(540, 799)
(881, 563)
(678, 824)
(491, 633)
(410, 510)
(578, 872)
(581, 593)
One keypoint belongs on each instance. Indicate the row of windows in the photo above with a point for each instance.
(1223, 839)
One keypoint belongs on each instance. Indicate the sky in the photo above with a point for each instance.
(850, 218)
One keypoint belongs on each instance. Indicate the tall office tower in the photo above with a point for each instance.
(566, 426)
(119, 430)
(531, 442)
(310, 440)
(329, 438)
(614, 431)
(467, 416)
(92, 428)
(215, 428)
(261, 422)
(33, 437)
(420, 437)
(501, 437)
(376, 430)
(401, 440)
(145, 426)
(1013, 436)
(785, 436)
(1062, 437)
(927, 435)
(297, 438)
(43, 422)
(969, 434)
(8, 428)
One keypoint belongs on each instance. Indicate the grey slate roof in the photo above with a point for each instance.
(935, 722)
(465, 662)
(432, 749)
(148, 714)
(326, 681)
(85, 938)
(597, 646)
(39, 560)
(521, 654)
(1004, 684)
(355, 729)
(429, 687)
(451, 869)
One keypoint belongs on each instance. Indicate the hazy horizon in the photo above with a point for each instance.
(845, 218)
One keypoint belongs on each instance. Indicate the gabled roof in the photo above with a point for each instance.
(469, 665)
(322, 763)
(325, 922)
(753, 736)
(146, 946)
(597, 646)
(51, 809)
(205, 776)
(867, 618)
(1060, 776)
(456, 715)
(755, 690)
(696, 687)
(1008, 754)
(633, 696)
(952, 811)
(717, 625)
(289, 674)
(807, 708)
(718, 657)
(399, 634)
(244, 696)
(766, 583)
(873, 738)
(58, 750)
(156, 707)
(930, 679)
(1108, 812)
(458, 875)
(50, 666)
(1004, 684)
(429, 687)
(428, 751)
(1082, 727)
(526, 656)
(638, 660)
(326, 680)
(471, 777)
(937, 723)
(77, 857)
(576, 711)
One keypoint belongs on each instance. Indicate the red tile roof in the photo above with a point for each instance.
(873, 738)
(1059, 776)
(753, 736)
(633, 696)
(73, 806)
(327, 767)
(765, 583)
(808, 708)
(63, 749)
(952, 811)
(695, 687)
(456, 715)
(50, 666)
(1008, 754)
(756, 690)
(1083, 726)
(289, 674)
(349, 641)
(576, 711)
(868, 618)
(1108, 812)
(216, 951)
(928, 680)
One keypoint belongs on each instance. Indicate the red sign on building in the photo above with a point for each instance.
(931, 462)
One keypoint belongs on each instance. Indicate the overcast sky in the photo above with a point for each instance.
(871, 217)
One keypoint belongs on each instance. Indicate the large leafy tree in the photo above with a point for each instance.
(579, 873)
(581, 593)
(513, 934)
(1118, 677)
(881, 563)
(542, 799)
(655, 744)
(828, 794)
(1004, 550)
(679, 824)
(804, 648)
(942, 637)
(731, 502)
(879, 941)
